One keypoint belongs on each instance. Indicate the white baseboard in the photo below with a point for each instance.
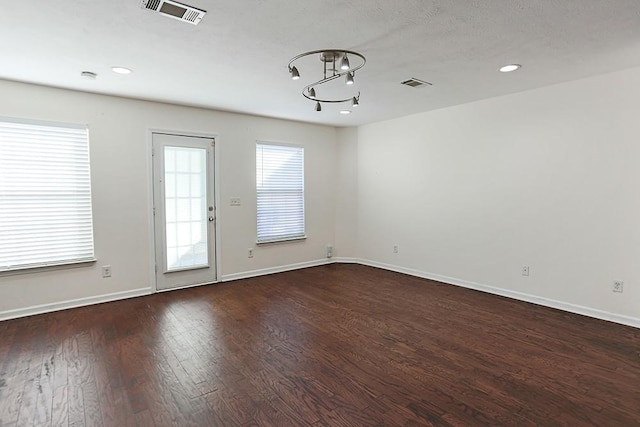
(560, 305)
(80, 302)
(63, 305)
(278, 269)
(345, 260)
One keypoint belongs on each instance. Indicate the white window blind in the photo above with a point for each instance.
(280, 192)
(45, 195)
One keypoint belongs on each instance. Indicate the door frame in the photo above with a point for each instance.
(150, 202)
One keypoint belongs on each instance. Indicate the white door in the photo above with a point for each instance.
(184, 210)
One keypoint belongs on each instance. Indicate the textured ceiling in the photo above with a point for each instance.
(236, 58)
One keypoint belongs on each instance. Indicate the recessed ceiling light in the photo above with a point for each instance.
(345, 112)
(121, 70)
(509, 68)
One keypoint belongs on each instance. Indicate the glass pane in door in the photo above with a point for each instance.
(185, 178)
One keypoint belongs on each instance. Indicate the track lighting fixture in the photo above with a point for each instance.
(335, 64)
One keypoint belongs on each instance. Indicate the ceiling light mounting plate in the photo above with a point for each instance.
(331, 56)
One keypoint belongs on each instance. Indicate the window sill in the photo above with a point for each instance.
(47, 267)
(289, 240)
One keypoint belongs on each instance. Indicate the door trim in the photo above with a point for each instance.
(150, 201)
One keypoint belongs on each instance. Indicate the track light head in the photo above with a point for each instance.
(349, 79)
(312, 93)
(295, 75)
(318, 106)
(344, 64)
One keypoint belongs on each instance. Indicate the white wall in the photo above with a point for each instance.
(346, 191)
(120, 172)
(548, 178)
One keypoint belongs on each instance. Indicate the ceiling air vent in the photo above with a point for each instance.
(415, 83)
(175, 10)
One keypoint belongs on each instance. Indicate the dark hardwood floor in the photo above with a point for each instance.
(340, 345)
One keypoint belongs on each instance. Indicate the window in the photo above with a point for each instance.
(45, 195)
(280, 192)
(186, 219)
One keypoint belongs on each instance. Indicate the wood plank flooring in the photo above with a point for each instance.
(338, 345)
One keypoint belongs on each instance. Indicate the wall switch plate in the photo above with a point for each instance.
(618, 286)
(250, 253)
(106, 271)
(235, 201)
(525, 270)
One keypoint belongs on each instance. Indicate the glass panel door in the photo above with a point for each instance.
(184, 211)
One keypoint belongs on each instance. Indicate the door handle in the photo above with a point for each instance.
(211, 219)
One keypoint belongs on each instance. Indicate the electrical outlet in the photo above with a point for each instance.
(618, 286)
(395, 249)
(106, 271)
(235, 201)
(250, 253)
(525, 270)
(329, 251)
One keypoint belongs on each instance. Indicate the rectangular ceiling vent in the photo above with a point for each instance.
(175, 10)
(415, 83)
